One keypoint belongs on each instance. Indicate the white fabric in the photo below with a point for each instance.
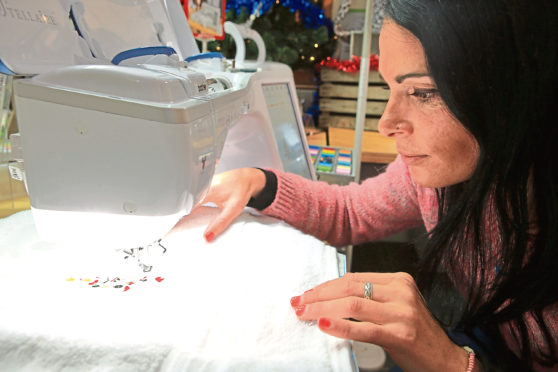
(222, 306)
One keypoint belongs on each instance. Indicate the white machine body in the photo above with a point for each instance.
(271, 134)
(115, 155)
(94, 144)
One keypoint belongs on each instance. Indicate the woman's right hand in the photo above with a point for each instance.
(231, 191)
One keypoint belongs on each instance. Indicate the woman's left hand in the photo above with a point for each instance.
(395, 317)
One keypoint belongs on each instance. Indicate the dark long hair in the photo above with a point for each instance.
(495, 65)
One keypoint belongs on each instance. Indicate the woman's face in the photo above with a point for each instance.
(438, 150)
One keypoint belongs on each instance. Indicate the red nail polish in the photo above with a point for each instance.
(295, 301)
(209, 236)
(324, 323)
(299, 310)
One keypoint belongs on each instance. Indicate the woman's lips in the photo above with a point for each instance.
(413, 159)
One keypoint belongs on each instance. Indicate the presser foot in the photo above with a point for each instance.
(144, 255)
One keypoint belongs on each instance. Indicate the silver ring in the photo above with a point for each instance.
(368, 290)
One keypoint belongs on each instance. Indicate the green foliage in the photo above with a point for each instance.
(287, 40)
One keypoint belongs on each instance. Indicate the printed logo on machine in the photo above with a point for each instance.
(26, 15)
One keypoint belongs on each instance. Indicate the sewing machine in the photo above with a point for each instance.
(117, 130)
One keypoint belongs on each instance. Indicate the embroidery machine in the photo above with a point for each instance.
(123, 124)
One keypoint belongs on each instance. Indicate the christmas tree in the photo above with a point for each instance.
(294, 32)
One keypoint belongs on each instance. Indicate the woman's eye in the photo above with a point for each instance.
(424, 95)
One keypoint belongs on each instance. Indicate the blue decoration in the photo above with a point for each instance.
(310, 14)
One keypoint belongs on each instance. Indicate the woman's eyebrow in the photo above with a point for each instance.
(399, 78)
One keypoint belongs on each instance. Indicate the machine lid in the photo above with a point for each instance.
(148, 93)
(114, 26)
(37, 36)
(150, 84)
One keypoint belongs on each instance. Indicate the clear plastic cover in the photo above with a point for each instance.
(38, 36)
(113, 26)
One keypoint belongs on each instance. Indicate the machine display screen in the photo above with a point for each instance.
(286, 129)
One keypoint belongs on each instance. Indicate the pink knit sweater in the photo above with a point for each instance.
(376, 208)
(355, 213)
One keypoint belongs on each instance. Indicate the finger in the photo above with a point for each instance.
(357, 331)
(352, 284)
(349, 308)
(375, 278)
(223, 220)
(343, 288)
(211, 197)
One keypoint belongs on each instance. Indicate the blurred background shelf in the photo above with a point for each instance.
(9, 207)
(338, 99)
(375, 147)
(338, 93)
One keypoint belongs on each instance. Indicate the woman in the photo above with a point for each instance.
(472, 84)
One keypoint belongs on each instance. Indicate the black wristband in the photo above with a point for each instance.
(267, 195)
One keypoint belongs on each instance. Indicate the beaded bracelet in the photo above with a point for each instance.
(471, 362)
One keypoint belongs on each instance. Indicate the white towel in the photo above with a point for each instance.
(222, 306)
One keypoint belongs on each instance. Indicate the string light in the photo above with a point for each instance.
(311, 14)
(353, 65)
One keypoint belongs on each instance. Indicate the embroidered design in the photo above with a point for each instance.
(116, 282)
(145, 258)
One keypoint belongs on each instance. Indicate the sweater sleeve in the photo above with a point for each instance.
(350, 214)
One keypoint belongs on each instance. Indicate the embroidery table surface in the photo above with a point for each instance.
(204, 307)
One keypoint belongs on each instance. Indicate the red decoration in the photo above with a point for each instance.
(217, 10)
(352, 65)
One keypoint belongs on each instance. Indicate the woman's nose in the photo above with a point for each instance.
(392, 120)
